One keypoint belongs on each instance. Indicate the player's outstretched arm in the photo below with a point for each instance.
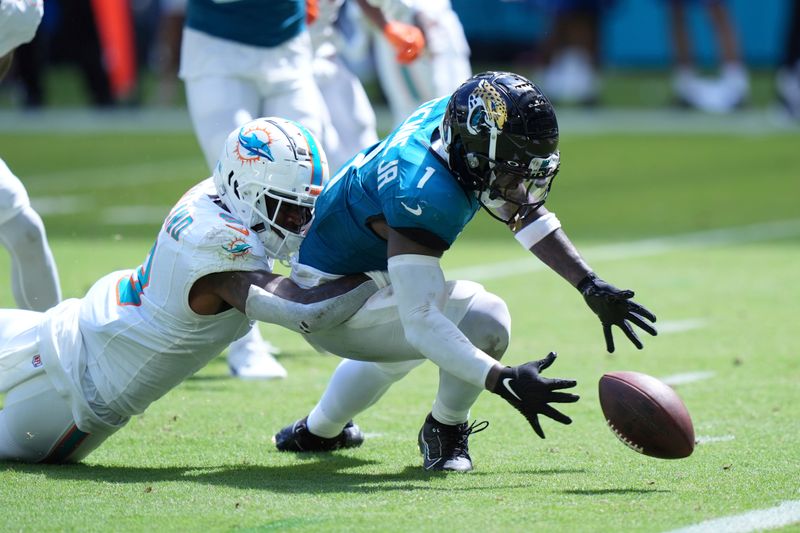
(615, 307)
(278, 300)
(541, 233)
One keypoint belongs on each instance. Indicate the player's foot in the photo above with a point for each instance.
(445, 447)
(298, 438)
(251, 357)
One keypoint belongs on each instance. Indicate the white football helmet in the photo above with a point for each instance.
(269, 175)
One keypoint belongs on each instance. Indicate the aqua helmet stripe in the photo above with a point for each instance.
(316, 163)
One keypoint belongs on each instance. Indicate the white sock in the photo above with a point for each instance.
(354, 386)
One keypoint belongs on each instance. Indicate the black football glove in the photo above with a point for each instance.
(530, 393)
(614, 307)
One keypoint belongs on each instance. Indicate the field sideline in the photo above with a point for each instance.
(704, 227)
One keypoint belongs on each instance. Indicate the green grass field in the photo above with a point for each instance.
(705, 228)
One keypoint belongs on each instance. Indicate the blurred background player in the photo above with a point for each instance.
(172, 15)
(351, 112)
(571, 50)
(241, 60)
(34, 279)
(347, 102)
(787, 79)
(731, 88)
(438, 71)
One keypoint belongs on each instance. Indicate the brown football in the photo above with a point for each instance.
(646, 414)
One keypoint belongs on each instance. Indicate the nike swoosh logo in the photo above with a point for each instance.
(509, 389)
(416, 211)
(243, 231)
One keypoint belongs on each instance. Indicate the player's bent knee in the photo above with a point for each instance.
(487, 324)
(25, 231)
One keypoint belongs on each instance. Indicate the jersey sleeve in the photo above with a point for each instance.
(220, 245)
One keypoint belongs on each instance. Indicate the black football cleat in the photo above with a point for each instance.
(298, 438)
(445, 447)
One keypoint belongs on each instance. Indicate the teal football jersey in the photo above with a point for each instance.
(400, 180)
(264, 23)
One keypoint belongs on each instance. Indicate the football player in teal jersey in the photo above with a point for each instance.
(397, 207)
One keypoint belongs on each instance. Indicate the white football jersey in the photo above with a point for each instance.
(140, 337)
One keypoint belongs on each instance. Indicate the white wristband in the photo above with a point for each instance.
(537, 230)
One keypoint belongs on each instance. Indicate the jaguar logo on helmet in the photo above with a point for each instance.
(254, 144)
(486, 109)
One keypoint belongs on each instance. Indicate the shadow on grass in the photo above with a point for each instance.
(318, 474)
(600, 492)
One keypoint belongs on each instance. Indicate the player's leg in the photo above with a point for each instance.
(34, 278)
(217, 106)
(354, 386)
(446, 62)
(253, 357)
(351, 113)
(37, 426)
(289, 90)
(375, 336)
(444, 436)
(405, 88)
(36, 421)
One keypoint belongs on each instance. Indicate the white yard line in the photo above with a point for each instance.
(641, 248)
(687, 377)
(679, 326)
(134, 214)
(785, 514)
(112, 176)
(706, 439)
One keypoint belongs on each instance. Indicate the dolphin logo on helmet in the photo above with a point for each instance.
(254, 146)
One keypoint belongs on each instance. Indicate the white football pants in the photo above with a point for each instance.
(36, 421)
(377, 355)
(229, 84)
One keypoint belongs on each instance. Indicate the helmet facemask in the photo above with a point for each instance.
(283, 221)
(514, 189)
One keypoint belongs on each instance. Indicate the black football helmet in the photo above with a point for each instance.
(501, 135)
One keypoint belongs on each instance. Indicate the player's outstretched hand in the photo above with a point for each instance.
(531, 394)
(615, 307)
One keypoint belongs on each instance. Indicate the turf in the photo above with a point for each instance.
(201, 458)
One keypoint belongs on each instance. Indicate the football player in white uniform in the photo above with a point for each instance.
(34, 279)
(439, 69)
(240, 60)
(350, 110)
(76, 374)
(351, 113)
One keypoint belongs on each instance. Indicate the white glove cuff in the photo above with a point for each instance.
(537, 230)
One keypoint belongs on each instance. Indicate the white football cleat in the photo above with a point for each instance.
(251, 357)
